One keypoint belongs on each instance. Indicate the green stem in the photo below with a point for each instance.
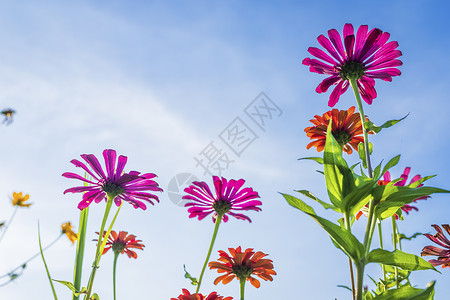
(9, 222)
(216, 229)
(394, 241)
(350, 263)
(371, 220)
(116, 254)
(380, 234)
(81, 241)
(359, 279)
(242, 284)
(97, 251)
(363, 120)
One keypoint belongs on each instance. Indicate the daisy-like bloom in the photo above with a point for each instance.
(242, 265)
(131, 187)
(229, 197)
(404, 177)
(443, 255)
(67, 230)
(19, 200)
(361, 57)
(8, 113)
(122, 243)
(197, 296)
(345, 126)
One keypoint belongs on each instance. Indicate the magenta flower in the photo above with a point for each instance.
(387, 178)
(366, 56)
(443, 255)
(130, 187)
(229, 197)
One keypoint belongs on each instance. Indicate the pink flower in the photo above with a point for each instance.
(130, 187)
(443, 255)
(229, 198)
(363, 57)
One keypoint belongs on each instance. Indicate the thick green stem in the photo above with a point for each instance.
(242, 285)
(363, 120)
(116, 254)
(216, 229)
(359, 280)
(97, 251)
(371, 219)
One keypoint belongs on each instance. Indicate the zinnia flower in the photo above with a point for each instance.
(363, 57)
(242, 265)
(67, 230)
(130, 187)
(122, 243)
(19, 200)
(404, 177)
(345, 127)
(197, 296)
(229, 197)
(443, 255)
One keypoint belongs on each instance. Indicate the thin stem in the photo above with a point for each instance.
(242, 284)
(9, 222)
(116, 254)
(97, 251)
(22, 266)
(380, 234)
(350, 263)
(359, 280)
(394, 241)
(216, 229)
(80, 251)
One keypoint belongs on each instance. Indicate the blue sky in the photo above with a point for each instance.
(158, 81)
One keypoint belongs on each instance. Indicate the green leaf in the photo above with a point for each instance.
(45, 264)
(95, 297)
(193, 280)
(341, 237)
(408, 293)
(390, 198)
(323, 203)
(369, 126)
(316, 159)
(394, 161)
(400, 259)
(72, 287)
(344, 286)
(404, 237)
(338, 176)
(359, 197)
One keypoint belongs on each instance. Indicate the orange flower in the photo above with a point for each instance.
(242, 265)
(197, 296)
(67, 230)
(346, 129)
(122, 242)
(19, 200)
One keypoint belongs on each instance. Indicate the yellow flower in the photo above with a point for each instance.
(67, 230)
(19, 200)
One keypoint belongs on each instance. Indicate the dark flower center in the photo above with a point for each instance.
(352, 70)
(221, 206)
(341, 136)
(242, 272)
(113, 190)
(118, 247)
